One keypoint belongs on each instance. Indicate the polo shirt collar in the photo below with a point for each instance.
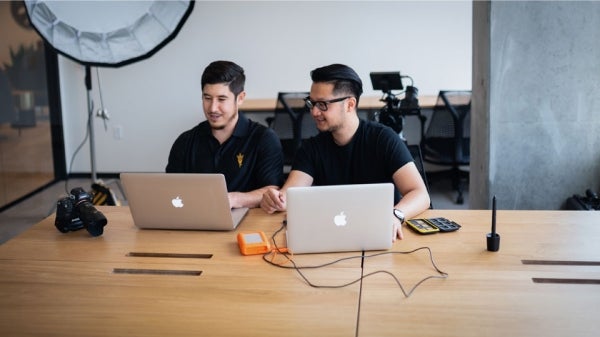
(241, 128)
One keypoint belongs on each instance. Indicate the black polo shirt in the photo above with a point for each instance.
(251, 158)
(373, 155)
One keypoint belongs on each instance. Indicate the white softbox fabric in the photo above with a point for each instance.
(108, 33)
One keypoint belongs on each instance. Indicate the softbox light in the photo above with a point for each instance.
(106, 34)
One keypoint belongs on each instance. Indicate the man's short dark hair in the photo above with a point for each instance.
(345, 80)
(225, 72)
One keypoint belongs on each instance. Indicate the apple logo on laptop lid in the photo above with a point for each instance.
(177, 202)
(340, 219)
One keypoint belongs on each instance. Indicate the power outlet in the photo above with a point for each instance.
(118, 132)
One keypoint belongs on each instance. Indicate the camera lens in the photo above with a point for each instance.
(93, 219)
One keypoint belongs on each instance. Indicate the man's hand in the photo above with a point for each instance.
(273, 200)
(397, 230)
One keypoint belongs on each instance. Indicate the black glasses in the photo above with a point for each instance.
(322, 105)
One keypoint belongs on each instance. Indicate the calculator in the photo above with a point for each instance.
(422, 226)
(444, 224)
(432, 225)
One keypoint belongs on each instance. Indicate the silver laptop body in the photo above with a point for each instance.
(180, 201)
(340, 218)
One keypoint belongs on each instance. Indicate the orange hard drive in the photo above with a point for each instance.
(252, 243)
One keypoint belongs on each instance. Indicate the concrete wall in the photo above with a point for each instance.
(536, 81)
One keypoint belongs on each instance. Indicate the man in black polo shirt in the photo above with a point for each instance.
(247, 153)
(349, 150)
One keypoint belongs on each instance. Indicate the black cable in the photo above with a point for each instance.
(298, 269)
(85, 138)
(411, 79)
(103, 113)
(99, 89)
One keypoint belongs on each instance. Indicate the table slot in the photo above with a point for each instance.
(156, 271)
(172, 255)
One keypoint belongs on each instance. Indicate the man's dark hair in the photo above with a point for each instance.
(345, 80)
(225, 72)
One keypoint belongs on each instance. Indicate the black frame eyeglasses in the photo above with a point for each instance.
(322, 105)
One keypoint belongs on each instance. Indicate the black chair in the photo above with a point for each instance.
(446, 139)
(415, 151)
(292, 123)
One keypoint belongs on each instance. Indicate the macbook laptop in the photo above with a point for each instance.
(180, 201)
(340, 218)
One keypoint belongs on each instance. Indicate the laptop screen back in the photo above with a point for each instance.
(180, 201)
(340, 218)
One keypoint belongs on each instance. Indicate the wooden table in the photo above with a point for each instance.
(73, 284)
(491, 293)
(66, 285)
(366, 103)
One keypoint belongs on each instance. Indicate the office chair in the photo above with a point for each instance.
(446, 139)
(415, 151)
(292, 123)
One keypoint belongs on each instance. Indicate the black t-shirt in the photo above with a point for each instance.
(251, 158)
(373, 155)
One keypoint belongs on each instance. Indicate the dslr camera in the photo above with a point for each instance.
(76, 211)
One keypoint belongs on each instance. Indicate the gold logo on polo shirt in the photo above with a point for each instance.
(240, 159)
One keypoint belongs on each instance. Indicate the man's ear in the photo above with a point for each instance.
(352, 104)
(240, 97)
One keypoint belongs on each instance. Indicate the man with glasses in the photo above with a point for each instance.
(349, 150)
(247, 153)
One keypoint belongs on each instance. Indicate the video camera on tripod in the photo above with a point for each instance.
(394, 111)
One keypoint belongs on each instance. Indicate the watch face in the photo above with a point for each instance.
(398, 213)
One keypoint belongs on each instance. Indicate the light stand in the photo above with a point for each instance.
(90, 124)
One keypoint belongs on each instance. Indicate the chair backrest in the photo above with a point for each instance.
(451, 113)
(292, 122)
(448, 131)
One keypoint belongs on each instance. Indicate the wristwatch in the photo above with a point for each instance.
(400, 215)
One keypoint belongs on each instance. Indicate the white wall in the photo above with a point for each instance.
(277, 43)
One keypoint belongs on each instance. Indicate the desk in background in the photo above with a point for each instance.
(66, 285)
(256, 109)
(366, 103)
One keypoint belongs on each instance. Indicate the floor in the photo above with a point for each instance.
(20, 217)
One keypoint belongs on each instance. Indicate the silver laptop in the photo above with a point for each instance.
(340, 218)
(180, 201)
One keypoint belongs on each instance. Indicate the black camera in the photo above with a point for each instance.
(76, 211)
(394, 111)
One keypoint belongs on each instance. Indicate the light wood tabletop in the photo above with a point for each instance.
(131, 282)
(72, 284)
(491, 293)
(366, 103)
